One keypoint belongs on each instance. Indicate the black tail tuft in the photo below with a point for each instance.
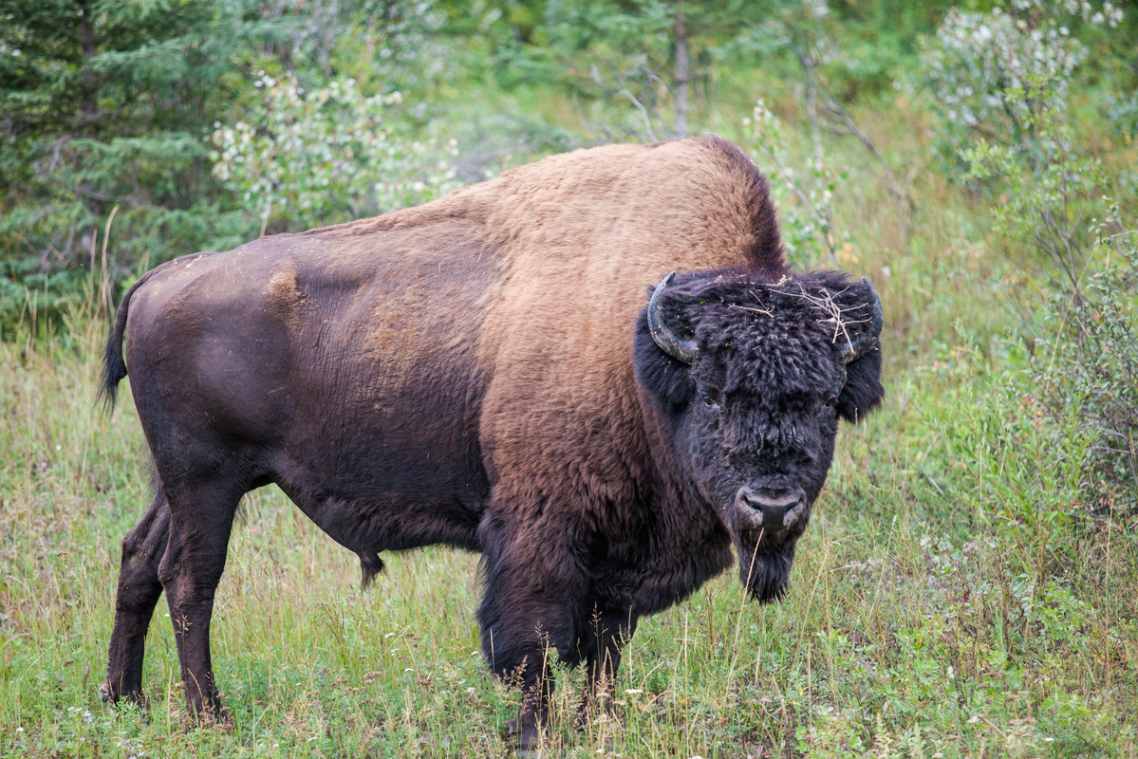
(114, 366)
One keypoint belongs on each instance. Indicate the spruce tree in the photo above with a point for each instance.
(105, 105)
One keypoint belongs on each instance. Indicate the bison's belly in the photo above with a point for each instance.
(384, 453)
(379, 482)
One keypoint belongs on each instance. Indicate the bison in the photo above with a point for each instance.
(495, 371)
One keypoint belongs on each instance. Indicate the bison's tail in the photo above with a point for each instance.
(114, 366)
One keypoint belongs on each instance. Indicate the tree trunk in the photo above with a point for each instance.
(682, 73)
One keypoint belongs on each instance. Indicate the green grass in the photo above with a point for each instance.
(951, 597)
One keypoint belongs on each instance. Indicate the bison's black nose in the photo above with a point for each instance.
(771, 509)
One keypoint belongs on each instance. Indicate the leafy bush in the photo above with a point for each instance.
(1090, 368)
(805, 196)
(1046, 191)
(996, 75)
(1003, 79)
(310, 157)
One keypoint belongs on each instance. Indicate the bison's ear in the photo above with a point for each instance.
(666, 378)
(860, 351)
(863, 391)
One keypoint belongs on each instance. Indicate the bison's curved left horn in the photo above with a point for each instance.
(662, 335)
(867, 339)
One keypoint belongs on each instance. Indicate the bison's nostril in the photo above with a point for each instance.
(771, 508)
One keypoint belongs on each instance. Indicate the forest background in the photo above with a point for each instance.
(969, 584)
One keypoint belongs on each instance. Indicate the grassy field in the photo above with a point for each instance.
(951, 597)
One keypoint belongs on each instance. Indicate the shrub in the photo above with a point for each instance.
(309, 157)
(1046, 193)
(995, 75)
(1003, 80)
(1089, 368)
(805, 196)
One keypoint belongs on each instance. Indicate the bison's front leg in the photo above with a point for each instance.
(607, 633)
(527, 614)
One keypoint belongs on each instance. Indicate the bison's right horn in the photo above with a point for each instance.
(662, 335)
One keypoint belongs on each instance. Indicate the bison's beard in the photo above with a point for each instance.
(765, 570)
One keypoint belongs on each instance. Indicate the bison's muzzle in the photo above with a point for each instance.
(774, 511)
(766, 523)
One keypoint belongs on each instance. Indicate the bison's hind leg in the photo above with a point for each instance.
(138, 592)
(201, 517)
(370, 566)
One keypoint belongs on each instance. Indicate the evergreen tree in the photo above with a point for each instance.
(107, 105)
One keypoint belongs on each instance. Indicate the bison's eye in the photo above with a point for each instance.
(711, 397)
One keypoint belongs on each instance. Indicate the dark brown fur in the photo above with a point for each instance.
(459, 373)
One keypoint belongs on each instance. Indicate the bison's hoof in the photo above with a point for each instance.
(525, 734)
(220, 719)
(212, 714)
(108, 694)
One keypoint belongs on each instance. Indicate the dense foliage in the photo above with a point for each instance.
(328, 153)
(970, 583)
(102, 105)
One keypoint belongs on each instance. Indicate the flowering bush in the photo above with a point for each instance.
(1003, 79)
(328, 154)
(994, 75)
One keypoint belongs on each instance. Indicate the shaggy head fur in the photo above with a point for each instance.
(754, 417)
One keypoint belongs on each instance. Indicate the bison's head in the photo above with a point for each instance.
(751, 377)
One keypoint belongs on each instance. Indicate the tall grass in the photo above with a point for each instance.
(949, 598)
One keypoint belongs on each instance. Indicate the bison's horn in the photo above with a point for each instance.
(662, 335)
(866, 340)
